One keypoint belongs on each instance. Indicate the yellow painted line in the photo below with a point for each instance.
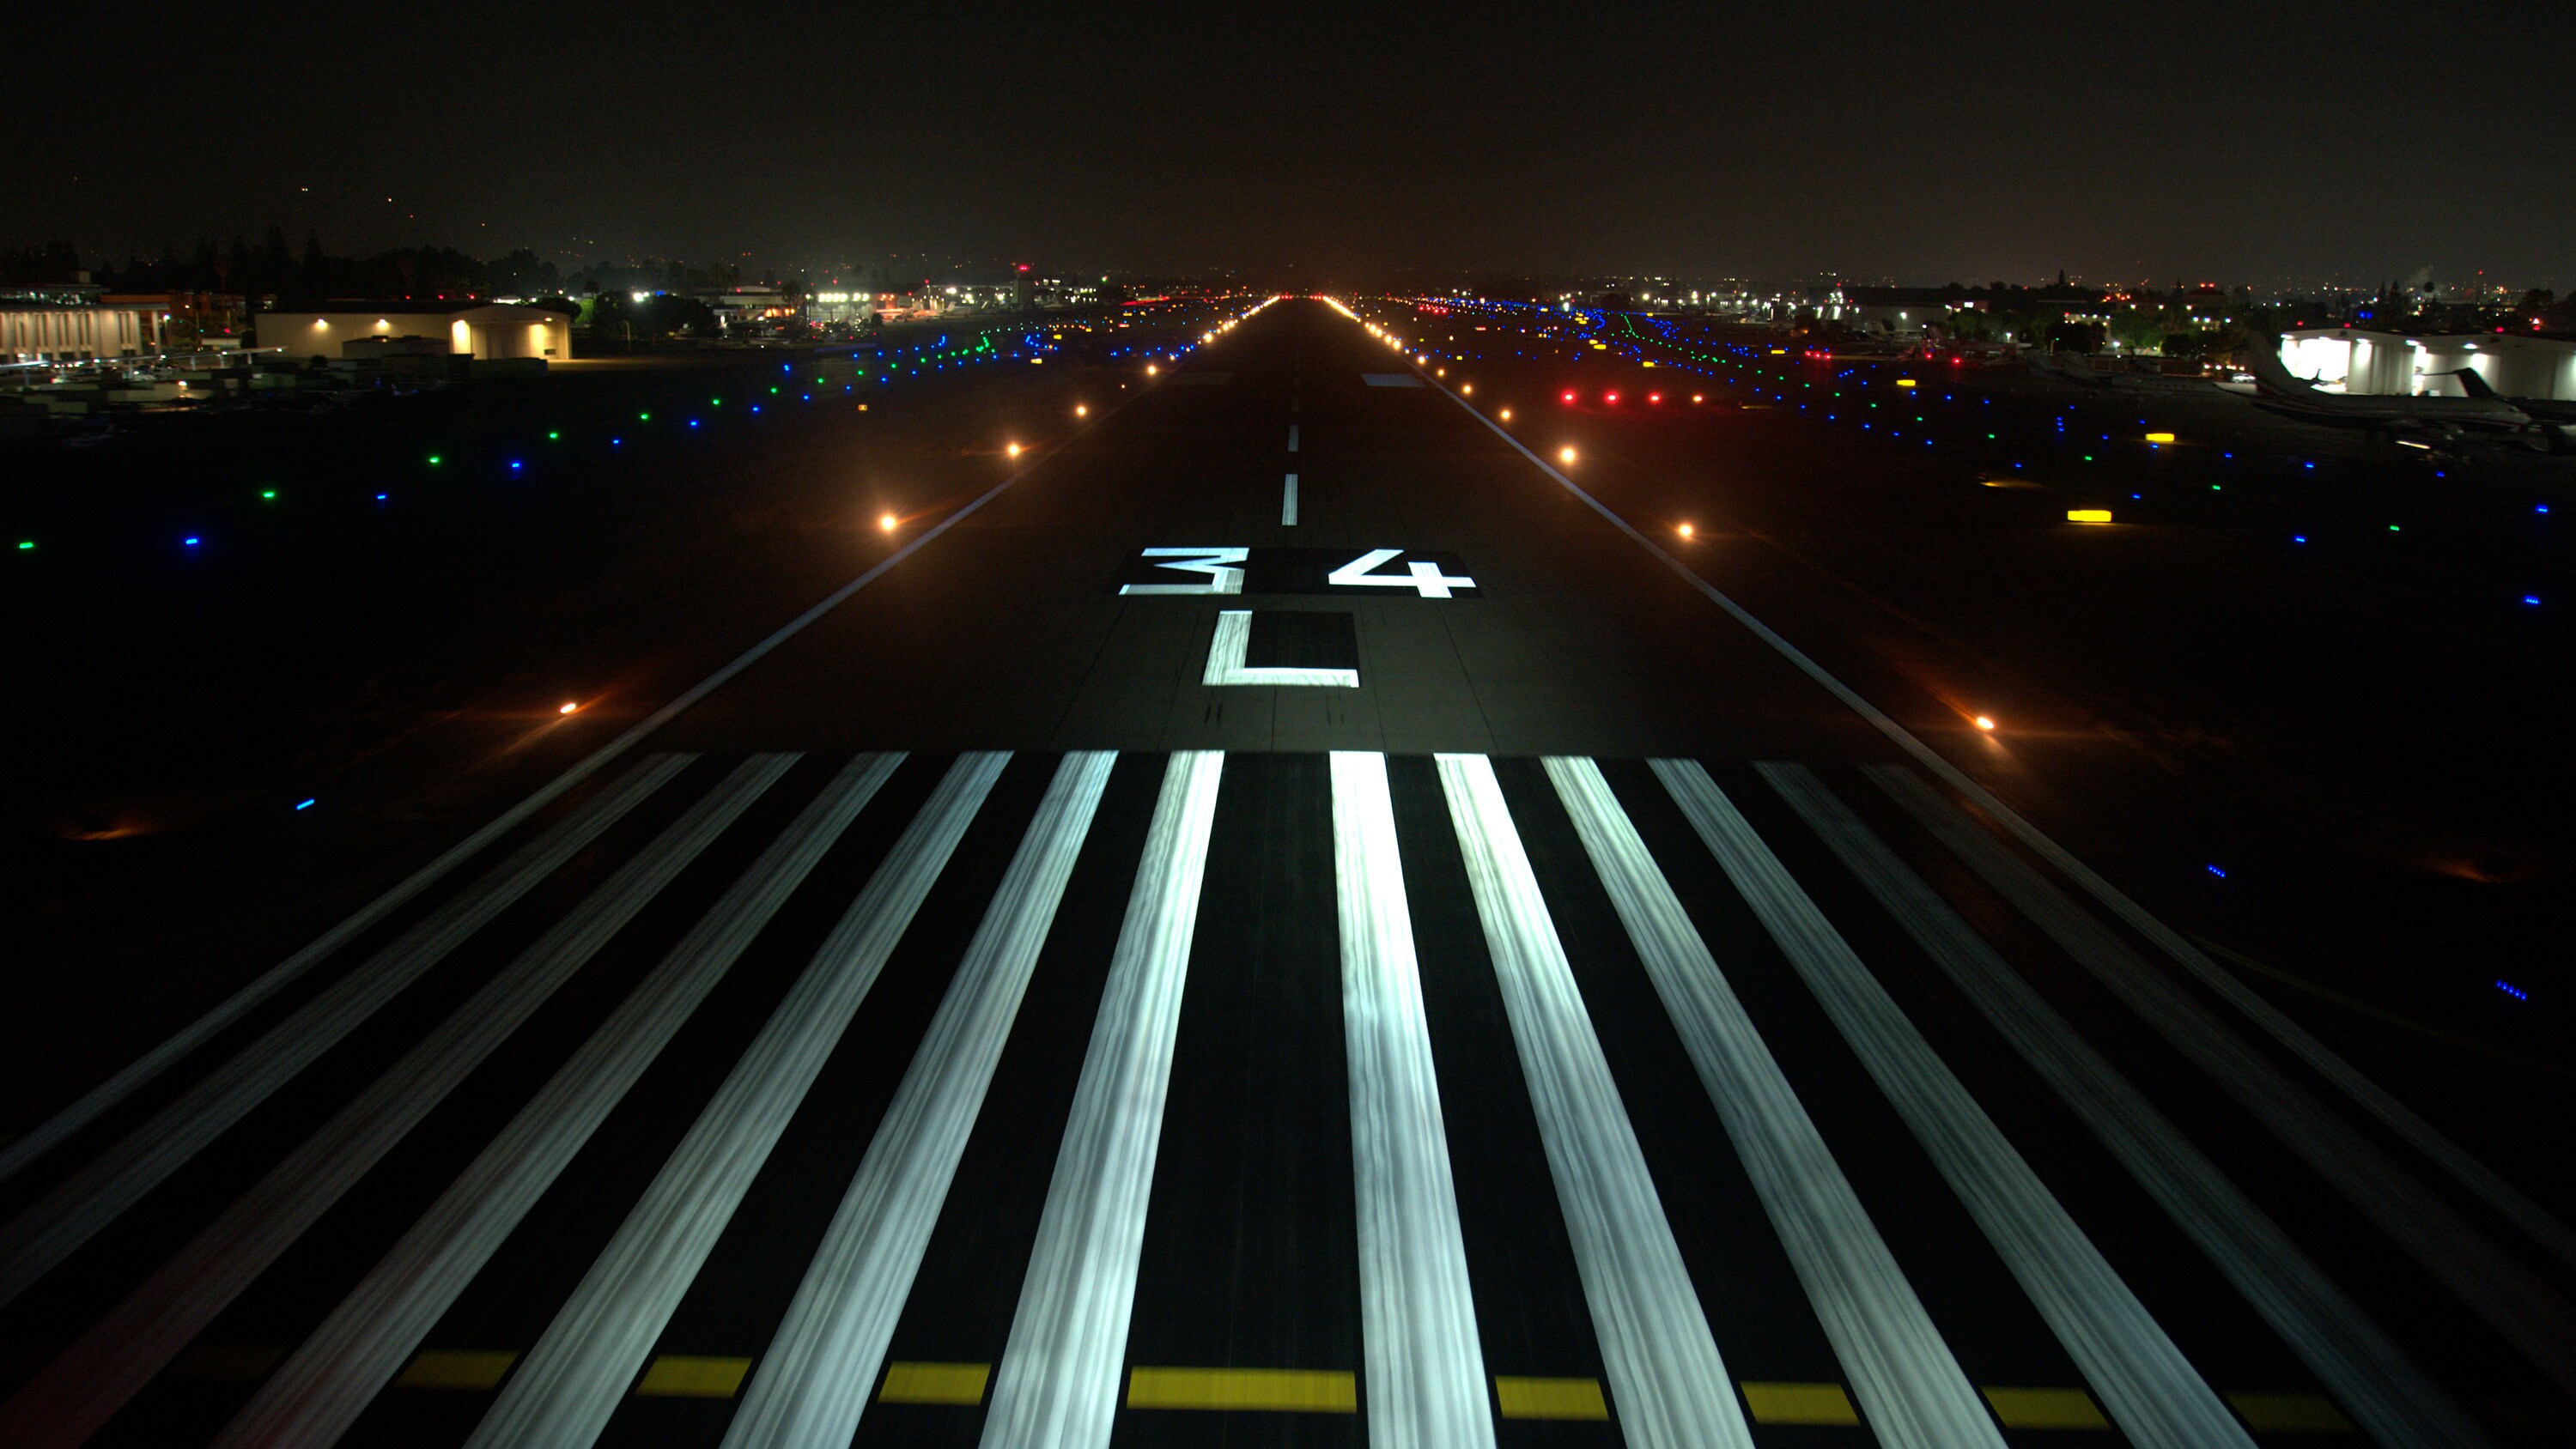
(2088, 515)
(1550, 1399)
(2046, 1409)
(688, 1376)
(457, 1369)
(1798, 1403)
(1290, 1390)
(226, 1362)
(2290, 1413)
(935, 1383)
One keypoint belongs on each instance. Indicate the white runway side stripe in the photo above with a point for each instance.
(2511, 1299)
(1665, 1375)
(2390, 1398)
(1059, 1378)
(565, 1388)
(78, 1391)
(822, 1363)
(2146, 1386)
(1422, 1359)
(55, 1225)
(328, 1381)
(1908, 1384)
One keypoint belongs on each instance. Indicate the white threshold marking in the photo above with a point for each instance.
(58, 1223)
(79, 1390)
(564, 1391)
(2387, 1394)
(2145, 1384)
(1665, 1374)
(117, 1088)
(1058, 1386)
(2508, 1200)
(1420, 1354)
(2511, 1299)
(1288, 503)
(813, 1382)
(323, 1387)
(1225, 660)
(1909, 1386)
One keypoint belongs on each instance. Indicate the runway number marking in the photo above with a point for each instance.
(1426, 574)
(1222, 566)
(1421, 575)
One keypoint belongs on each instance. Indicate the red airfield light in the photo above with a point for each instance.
(1610, 397)
(1569, 397)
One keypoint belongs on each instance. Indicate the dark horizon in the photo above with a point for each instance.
(2281, 146)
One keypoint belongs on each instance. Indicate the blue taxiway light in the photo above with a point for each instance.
(191, 540)
(2214, 870)
(2516, 992)
(303, 804)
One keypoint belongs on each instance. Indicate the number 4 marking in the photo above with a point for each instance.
(1420, 575)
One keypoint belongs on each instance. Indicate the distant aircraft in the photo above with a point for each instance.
(2548, 410)
(2278, 391)
(2067, 367)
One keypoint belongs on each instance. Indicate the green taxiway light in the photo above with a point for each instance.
(551, 434)
(26, 543)
(268, 493)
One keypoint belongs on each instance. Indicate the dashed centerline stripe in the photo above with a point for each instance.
(1279, 1390)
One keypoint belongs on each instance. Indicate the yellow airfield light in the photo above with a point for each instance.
(2160, 437)
(567, 707)
(2088, 515)
(1985, 722)
(1687, 531)
(1013, 449)
(1905, 382)
(1081, 410)
(886, 522)
(1149, 369)
(1507, 415)
(1565, 455)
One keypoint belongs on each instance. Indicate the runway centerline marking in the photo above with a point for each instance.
(1288, 503)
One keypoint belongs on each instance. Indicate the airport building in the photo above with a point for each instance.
(480, 330)
(2388, 364)
(38, 331)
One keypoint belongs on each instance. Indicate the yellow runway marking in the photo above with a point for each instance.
(2290, 1413)
(1550, 1399)
(935, 1383)
(2046, 1409)
(457, 1369)
(1799, 1404)
(1290, 1390)
(687, 1376)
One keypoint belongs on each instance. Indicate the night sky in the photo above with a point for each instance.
(2249, 142)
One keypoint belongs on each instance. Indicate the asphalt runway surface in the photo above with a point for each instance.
(1292, 909)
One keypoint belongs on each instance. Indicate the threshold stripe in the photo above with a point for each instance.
(2516, 1303)
(812, 1383)
(55, 1225)
(2396, 1400)
(569, 1386)
(119, 1354)
(1059, 1378)
(1425, 1363)
(329, 1380)
(1655, 1343)
(1282, 1390)
(2160, 1401)
(1916, 1395)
